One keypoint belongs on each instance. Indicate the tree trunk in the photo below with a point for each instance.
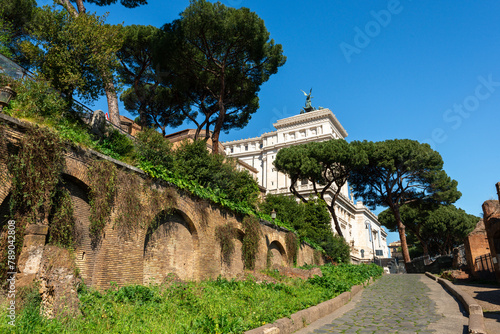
(331, 208)
(217, 128)
(336, 221)
(402, 235)
(404, 245)
(113, 112)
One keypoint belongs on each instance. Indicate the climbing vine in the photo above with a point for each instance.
(317, 257)
(291, 247)
(269, 259)
(163, 202)
(36, 171)
(62, 224)
(130, 211)
(102, 176)
(250, 247)
(225, 235)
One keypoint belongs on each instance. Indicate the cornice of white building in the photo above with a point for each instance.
(295, 122)
(310, 117)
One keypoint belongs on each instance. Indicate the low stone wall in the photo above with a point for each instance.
(476, 321)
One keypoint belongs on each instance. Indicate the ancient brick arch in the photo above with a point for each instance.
(85, 253)
(277, 253)
(171, 245)
(77, 171)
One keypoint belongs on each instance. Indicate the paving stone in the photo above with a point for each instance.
(393, 304)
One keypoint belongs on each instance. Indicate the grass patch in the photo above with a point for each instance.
(213, 306)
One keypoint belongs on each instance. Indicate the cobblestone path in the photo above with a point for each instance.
(393, 304)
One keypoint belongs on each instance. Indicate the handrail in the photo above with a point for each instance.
(15, 71)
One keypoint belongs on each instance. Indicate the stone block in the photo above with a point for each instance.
(37, 229)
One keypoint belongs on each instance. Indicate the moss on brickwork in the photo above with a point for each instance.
(62, 225)
(36, 171)
(291, 247)
(130, 210)
(251, 228)
(225, 236)
(102, 176)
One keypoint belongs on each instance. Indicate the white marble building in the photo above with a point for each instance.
(359, 225)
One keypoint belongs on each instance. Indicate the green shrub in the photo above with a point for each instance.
(194, 162)
(36, 100)
(154, 148)
(312, 222)
(116, 144)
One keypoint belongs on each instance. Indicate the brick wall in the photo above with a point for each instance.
(182, 242)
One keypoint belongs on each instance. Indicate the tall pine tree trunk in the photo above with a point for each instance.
(114, 114)
(402, 236)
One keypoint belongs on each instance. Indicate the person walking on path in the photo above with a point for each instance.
(409, 303)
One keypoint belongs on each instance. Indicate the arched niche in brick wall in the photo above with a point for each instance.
(236, 264)
(170, 246)
(84, 251)
(277, 253)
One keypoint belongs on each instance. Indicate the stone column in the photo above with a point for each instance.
(32, 251)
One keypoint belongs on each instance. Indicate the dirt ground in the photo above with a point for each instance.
(488, 297)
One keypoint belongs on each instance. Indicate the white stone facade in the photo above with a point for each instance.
(357, 221)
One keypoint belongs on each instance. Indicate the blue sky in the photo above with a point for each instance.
(423, 70)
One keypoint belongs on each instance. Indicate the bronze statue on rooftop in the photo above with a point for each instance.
(308, 106)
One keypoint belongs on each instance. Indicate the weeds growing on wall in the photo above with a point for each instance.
(35, 171)
(3, 146)
(130, 211)
(202, 208)
(269, 259)
(250, 247)
(62, 224)
(116, 145)
(291, 247)
(102, 183)
(317, 257)
(158, 202)
(225, 235)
